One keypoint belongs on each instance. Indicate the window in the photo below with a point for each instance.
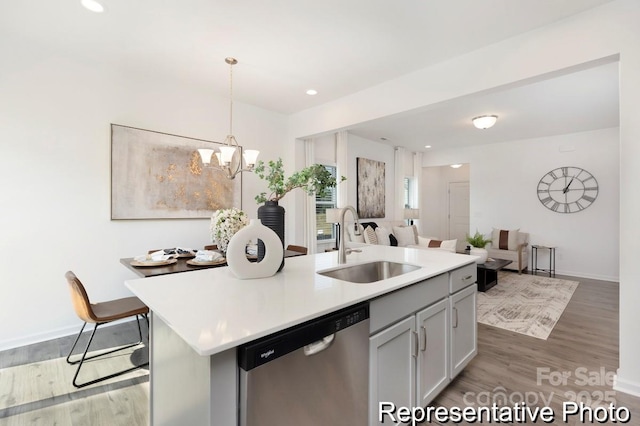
(408, 192)
(325, 231)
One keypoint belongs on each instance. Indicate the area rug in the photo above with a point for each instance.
(526, 304)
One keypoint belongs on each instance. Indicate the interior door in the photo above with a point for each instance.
(459, 213)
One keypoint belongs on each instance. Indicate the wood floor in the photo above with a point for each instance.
(509, 367)
(513, 367)
(35, 382)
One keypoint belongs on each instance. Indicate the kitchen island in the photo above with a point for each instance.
(200, 318)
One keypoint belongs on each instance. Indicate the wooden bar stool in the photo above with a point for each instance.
(98, 314)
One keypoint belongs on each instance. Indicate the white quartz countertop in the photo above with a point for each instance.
(213, 311)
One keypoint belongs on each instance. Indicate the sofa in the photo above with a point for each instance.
(510, 245)
(393, 233)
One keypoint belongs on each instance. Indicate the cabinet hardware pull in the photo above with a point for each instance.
(415, 346)
(468, 277)
(455, 310)
(424, 334)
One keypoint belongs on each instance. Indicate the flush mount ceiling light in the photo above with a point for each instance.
(485, 121)
(92, 5)
(229, 158)
(427, 146)
(312, 92)
(455, 166)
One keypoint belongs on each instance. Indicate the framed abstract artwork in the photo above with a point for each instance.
(370, 188)
(160, 176)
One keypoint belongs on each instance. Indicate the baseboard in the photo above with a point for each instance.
(589, 276)
(625, 386)
(51, 334)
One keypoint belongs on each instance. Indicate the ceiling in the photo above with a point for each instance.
(285, 47)
(581, 101)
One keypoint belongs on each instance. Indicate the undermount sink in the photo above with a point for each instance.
(366, 273)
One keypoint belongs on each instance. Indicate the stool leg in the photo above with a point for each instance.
(85, 357)
(75, 343)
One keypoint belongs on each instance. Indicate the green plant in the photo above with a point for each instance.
(478, 240)
(315, 179)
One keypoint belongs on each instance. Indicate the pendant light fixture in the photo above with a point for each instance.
(228, 156)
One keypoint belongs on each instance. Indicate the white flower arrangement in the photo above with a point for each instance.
(225, 223)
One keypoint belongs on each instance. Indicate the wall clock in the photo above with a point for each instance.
(567, 189)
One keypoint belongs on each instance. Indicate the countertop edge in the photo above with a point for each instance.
(136, 286)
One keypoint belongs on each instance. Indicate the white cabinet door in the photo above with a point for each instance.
(463, 328)
(392, 367)
(433, 358)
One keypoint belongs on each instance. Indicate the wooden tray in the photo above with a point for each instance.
(193, 262)
(154, 262)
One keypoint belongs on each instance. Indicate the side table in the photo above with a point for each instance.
(552, 259)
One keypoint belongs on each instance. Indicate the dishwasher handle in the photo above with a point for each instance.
(319, 346)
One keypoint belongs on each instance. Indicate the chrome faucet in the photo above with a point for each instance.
(342, 252)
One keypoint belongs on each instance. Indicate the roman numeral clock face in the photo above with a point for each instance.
(567, 190)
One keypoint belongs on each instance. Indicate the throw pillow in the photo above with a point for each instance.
(370, 235)
(352, 237)
(367, 224)
(448, 245)
(505, 240)
(405, 235)
(383, 236)
(393, 240)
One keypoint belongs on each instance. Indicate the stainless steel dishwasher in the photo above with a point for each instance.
(316, 373)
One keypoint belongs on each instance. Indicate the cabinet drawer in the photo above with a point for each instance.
(395, 306)
(462, 277)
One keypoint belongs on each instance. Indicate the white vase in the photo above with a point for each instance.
(237, 258)
(483, 253)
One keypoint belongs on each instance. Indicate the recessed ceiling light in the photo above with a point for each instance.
(427, 146)
(456, 166)
(93, 6)
(312, 92)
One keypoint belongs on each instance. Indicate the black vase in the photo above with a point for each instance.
(272, 216)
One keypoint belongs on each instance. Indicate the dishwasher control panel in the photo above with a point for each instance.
(268, 348)
(350, 319)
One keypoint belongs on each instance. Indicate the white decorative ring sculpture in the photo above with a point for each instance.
(237, 258)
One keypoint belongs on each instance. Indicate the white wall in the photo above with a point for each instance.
(595, 36)
(503, 194)
(365, 148)
(434, 198)
(55, 175)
